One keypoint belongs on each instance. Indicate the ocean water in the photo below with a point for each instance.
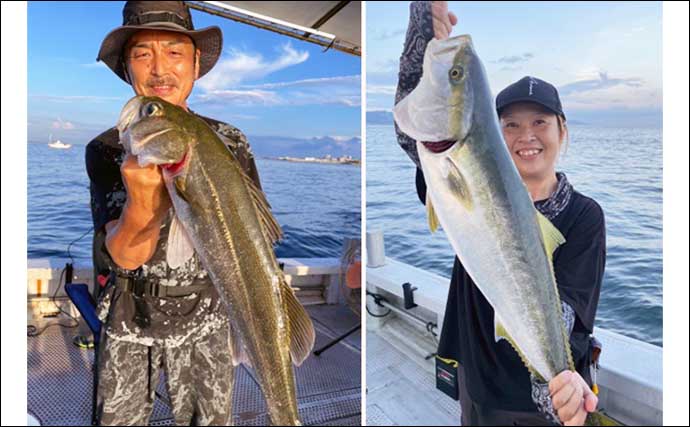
(620, 168)
(317, 205)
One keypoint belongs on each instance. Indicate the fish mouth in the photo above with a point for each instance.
(173, 169)
(529, 153)
(439, 146)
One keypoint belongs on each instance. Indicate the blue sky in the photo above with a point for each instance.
(605, 57)
(264, 83)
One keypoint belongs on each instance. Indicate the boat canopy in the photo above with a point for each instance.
(331, 24)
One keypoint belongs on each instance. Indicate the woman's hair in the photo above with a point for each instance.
(563, 129)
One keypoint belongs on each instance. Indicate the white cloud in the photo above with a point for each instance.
(337, 90)
(615, 97)
(353, 80)
(240, 97)
(77, 98)
(598, 82)
(95, 64)
(341, 138)
(383, 34)
(241, 66)
(323, 98)
(381, 89)
(514, 59)
(63, 125)
(599, 91)
(383, 67)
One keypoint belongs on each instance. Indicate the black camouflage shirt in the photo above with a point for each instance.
(173, 320)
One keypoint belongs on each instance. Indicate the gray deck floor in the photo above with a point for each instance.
(401, 388)
(328, 386)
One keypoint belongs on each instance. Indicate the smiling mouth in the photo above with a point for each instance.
(529, 153)
(162, 88)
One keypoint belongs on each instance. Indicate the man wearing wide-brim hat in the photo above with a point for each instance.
(156, 317)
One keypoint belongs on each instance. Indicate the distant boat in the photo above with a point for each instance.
(57, 143)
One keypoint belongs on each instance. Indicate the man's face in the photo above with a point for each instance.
(163, 64)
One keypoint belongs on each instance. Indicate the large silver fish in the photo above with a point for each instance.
(475, 193)
(221, 214)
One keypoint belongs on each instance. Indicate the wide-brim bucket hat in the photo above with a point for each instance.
(159, 15)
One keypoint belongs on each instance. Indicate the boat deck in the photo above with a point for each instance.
(401, 382)
(328, 386)
(630, 377)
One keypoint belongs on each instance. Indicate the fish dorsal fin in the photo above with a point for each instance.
(302, 335)
(431, 214)
(550, 235)
(180, 248)
(500, 333)
(270, 226)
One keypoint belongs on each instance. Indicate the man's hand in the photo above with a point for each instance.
(147, 196)
(572, 399)
(443, 20)
(131, 240)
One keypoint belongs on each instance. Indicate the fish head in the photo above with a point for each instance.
(464, 77)
(440, 108)
(156, 131)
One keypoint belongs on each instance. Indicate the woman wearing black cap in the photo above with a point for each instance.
(495, 388)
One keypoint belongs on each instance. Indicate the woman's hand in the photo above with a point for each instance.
(572, 399)
(443, 20)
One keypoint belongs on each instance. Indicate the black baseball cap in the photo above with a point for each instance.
(530, 89)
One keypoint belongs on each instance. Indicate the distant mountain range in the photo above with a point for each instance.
(379, 117)
(280, 146)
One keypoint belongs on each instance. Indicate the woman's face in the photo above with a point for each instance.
(533, 138)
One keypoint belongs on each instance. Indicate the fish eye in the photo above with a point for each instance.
(456, 73)
(150, 109)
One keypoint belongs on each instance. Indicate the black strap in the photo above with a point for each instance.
(176, 291)
(148, 17)
(141, 287)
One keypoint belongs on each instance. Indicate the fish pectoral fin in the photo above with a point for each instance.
(458, 184)
(500, 330)
(239, 353)
(302, 335)
(180, 188)
(180, 185)
(431, 214)
(551, 237)
(180, 248)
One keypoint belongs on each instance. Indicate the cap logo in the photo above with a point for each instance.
(532, 82)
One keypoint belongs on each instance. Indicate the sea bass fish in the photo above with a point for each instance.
(475, 193)
(226, 219)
